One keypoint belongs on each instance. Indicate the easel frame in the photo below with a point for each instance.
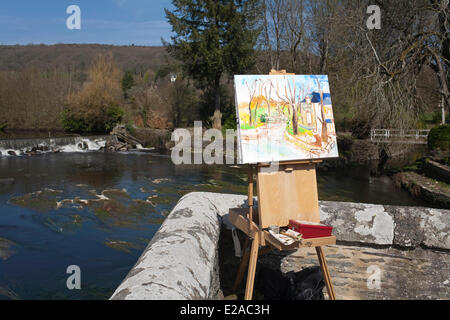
(252, 225)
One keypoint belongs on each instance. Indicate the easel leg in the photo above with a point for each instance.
(252, 267)
(326, 273)
(242, 265)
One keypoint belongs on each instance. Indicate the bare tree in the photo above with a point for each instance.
(376, 74)
(377, 71)
(324, 136)
(267, 94)
(252, 89)
(295, 29)
(291, 96)
(273, 31)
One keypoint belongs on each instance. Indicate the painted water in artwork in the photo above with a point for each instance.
(284, 117)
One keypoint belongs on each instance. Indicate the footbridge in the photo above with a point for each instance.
(417, 136)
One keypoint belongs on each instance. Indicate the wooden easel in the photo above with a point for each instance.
(287, 193)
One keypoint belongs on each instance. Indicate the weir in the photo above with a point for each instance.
(62, 144)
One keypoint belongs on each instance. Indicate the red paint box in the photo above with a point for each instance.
(310, 230)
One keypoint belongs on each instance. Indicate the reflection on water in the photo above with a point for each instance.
(355, 184)
(100, 210)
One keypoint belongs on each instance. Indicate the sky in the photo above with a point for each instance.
(117, 22)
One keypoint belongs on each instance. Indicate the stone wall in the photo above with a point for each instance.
(437, 171)
(181, 261)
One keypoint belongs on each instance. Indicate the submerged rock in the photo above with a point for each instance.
(118, 213)
(5, 248)
(43, 200)
(116, 194)
(113, 207)
(120, 245)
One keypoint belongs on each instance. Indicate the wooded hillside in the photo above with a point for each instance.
(80, 56)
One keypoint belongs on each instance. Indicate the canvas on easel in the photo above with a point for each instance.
(284, 117)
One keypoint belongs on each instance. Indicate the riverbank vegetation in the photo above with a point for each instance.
(429, 177)
(439, 139)
(95, 107)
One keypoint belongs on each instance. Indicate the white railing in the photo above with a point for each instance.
(399, 136)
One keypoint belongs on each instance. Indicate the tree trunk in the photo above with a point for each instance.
(177, 108)
(250, 113)
(442, 77)
(324, 56)
(324, 124)
(443, 110)
(217, 117)
(294, 120)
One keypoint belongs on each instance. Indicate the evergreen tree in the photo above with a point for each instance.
(127, 83)
(214, 38)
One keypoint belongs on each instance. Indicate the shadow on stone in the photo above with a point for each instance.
(270, 282)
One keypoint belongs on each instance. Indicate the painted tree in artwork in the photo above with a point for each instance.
(291, 92)
(324, 136)
(252, 89)
(291, 95)
(267, 88)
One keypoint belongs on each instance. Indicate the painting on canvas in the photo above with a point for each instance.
(284, 118)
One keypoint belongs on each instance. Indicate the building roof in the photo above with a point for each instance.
(315, 98)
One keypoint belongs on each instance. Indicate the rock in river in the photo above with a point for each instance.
(5, 248)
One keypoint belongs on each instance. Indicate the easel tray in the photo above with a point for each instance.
(239, 218)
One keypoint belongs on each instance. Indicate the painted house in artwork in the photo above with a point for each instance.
(328, 111)
(284, 117)
(308, 112)
(315, 100)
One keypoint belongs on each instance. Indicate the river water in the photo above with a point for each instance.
(99, 210)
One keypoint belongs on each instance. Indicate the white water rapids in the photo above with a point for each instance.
(75, 144)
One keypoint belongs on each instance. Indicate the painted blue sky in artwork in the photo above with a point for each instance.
(306, 85)
(118, 22)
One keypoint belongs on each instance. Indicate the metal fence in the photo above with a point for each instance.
(399, 136)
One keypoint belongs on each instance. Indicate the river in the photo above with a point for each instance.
(99, 210)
